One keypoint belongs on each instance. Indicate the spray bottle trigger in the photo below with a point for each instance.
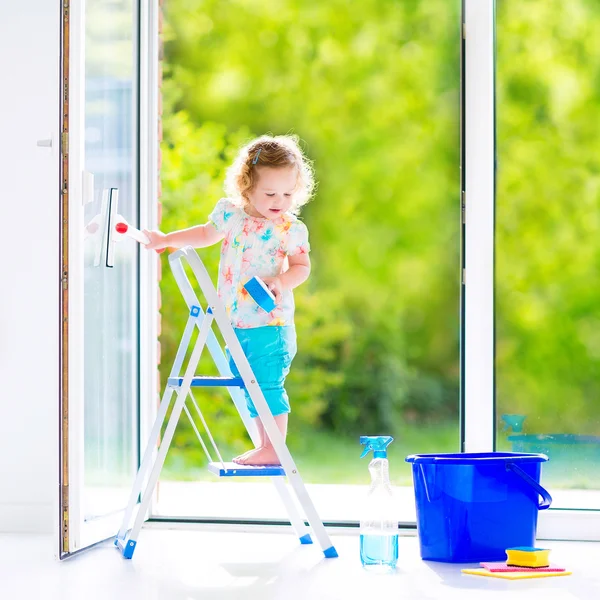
(377, 443)
(366, 450)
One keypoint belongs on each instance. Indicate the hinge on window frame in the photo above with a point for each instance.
(65, 517)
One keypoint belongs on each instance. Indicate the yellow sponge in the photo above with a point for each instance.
(527, 557)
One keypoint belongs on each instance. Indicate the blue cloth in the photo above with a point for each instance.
(270, 351)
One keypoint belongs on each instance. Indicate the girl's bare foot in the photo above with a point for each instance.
(242, 456)
(259, 456)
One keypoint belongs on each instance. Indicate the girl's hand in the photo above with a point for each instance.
(158, 240)
(276, 287)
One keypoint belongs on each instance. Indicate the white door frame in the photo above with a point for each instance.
(478, 392)
(478, 358)
(478, 199)
(83, 534)
(149, 261)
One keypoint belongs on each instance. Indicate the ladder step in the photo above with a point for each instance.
(235, 470)
(208, 381)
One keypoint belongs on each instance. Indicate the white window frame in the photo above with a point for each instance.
(149, 261)
(76, 97)
(478, 415)
(478, 391)
(82, 535)
(478, 199)
(478, 356)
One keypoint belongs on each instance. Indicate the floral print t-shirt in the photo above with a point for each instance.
(255, 246)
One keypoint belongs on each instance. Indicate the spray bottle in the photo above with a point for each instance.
(379, 519)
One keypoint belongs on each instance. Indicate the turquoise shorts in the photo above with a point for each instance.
(270, 351)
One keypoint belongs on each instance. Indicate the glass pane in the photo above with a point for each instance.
(111, 352)
(548, 242)
(373, 90)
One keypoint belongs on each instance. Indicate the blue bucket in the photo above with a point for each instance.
(472, 507)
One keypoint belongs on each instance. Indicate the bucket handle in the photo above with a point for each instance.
(546, 497)
(422, 471)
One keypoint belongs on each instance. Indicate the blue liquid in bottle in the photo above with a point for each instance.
(379, 520)
(379, 552)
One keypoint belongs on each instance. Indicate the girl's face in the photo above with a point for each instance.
(273, 193)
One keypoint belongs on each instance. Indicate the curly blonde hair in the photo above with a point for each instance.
(270, 151)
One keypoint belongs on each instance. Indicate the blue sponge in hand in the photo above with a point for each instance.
(260, 293)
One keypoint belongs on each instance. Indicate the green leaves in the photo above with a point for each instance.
(548, 249)
(372, 90)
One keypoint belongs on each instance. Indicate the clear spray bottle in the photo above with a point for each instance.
(379, 519)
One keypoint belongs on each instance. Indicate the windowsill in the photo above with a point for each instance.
(334, 502)
(250, 500)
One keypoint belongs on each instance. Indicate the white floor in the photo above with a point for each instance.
(203, 564)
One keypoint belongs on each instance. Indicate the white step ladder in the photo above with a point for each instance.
(154, 456)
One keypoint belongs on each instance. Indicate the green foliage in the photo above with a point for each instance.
(373, 92)
(372, 89)
(548, 219)
(343, 463)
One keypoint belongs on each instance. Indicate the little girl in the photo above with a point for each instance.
(267, 184)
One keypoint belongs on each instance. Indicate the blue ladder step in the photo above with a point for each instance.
(235, 470)
(208, 381)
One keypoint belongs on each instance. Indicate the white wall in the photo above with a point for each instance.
(30, 267)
